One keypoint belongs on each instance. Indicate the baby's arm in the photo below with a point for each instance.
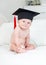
(29, 45)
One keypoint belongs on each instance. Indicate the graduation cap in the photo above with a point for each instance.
(25, 14)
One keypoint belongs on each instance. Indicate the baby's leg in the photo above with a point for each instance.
(17, 48)
(13, 47)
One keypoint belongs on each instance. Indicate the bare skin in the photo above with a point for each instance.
(20, 37)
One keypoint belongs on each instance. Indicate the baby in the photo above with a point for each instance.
(20, 40)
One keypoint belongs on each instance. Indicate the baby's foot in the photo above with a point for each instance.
(30, 47)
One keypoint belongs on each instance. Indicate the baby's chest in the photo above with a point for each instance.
(23, 34)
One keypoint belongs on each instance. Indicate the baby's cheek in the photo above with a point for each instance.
(21, 24)
(28, 26)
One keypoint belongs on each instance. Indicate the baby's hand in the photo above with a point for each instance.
(21, 49)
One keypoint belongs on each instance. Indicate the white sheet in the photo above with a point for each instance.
(32, 57)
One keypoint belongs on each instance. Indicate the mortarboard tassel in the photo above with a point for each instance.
(14, 22)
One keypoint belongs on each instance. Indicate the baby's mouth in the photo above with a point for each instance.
(24, 26)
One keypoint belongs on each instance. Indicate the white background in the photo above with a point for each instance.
(7, 7)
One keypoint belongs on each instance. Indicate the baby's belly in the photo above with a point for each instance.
(22, 41)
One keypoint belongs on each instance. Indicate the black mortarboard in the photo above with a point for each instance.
(25, 14)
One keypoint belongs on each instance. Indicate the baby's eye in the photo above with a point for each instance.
(28, 22)
(23, 21)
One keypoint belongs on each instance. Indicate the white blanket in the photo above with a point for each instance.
(32, 57)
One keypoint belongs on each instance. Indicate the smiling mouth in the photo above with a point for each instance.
(24, 26)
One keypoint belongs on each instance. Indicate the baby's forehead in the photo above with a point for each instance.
(25, 20)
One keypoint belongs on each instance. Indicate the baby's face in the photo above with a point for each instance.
(24, 23)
